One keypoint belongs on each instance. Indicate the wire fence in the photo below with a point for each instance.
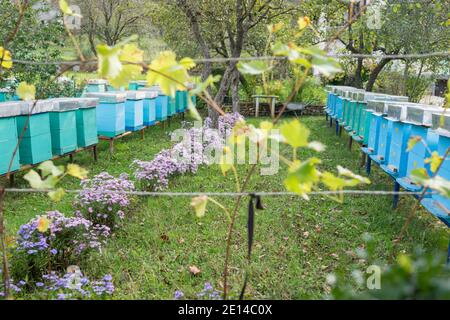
(443, 54)
(231, 194)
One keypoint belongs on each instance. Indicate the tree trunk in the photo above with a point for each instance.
(375, 73)
(235, 90)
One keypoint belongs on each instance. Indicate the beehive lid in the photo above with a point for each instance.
(33, 107)
(64, 104)
(6, 90)
(87, 103)
(149, 93)
(441, 124)
(396, 112)
(10, 109)
(157, 89)
(379, 107)
(135, 95)
(420, 114)
(98, 81)
(139, 82)
(107, 97)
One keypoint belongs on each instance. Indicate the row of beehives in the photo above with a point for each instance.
(61, 126)
(383, 125)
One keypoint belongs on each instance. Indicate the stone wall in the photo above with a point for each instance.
(248, 109)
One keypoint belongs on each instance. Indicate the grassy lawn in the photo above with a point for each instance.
(297, 242)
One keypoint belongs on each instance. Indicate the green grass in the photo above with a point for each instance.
(297, 243)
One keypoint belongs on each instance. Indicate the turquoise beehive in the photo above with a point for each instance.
(36, 145)
(134, 110)
(162, 104)
(181, 101)
(149, 106)
(6, 95)
(86, 117)
(110, 113)
(384, 133)
(8, 136)
(420, 119)
(438, 204)
(63, 125)
(397, 159)
(136, 85)
(96, 85)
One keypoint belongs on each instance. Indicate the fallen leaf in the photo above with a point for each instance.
(194, 270)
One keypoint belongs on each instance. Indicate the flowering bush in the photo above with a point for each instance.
(186, 156)
(103, 200)
(53, 242)
(72, 285)
(208, 293)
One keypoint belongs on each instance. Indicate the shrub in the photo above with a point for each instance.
(103, 199)
(312, 93)
(54, 242)
(186, 156)
(72, 285)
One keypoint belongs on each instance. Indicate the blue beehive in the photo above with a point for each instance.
(87, 122)
(383, 136)
(110, 113)
(8, 136)
(162, 104)
(134, 110)
(329, 91)
(7, 95)
(437, 204)
(96, 85)
(396, 155)
(420, 118)
(36, 145)
(181, 101)
(63, 125)
(136, 85)
(149, 106)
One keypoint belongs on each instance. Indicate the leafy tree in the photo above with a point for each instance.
(404, 27)
(36, 40)
(237, 28)
(110, 21)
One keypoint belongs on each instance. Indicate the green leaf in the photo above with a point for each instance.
(36, 181)
(57, 195)
(435, 161)
(6, 58)
(48, 168)
(254, 67)
(412, 143)
(295, 134)
(199, 205)
(76, 171)
(302, 177)
(26, 92)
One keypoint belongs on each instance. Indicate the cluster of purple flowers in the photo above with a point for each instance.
(186, 156)
(73, 286)
(208, 293)
(104, 199)
(65, 242)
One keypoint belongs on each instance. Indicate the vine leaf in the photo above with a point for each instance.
(199, 205)
(76, 171)
(26, 92)
(169, 74)
(6, 58)
(43, 224)
(256, 67)
(435, 161)
(57, 195)
(412, 143)
(295, 134)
